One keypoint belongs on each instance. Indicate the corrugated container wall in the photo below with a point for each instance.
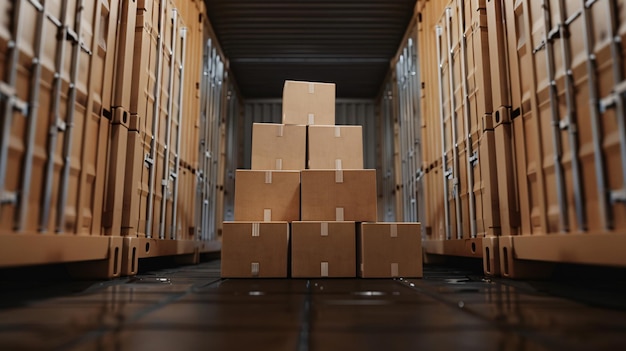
(560, 128)
(111, 133)
(519, 112)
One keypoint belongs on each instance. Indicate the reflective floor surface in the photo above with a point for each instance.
(191, 308)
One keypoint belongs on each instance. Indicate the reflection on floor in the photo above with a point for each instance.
(191, 308)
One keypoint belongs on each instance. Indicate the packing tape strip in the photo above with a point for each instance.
(311, 88)
(279, 130)
(324, 229)
(324, 269)
(256, 229)
(338, 176)
(254, 269)
(339, 214)
(268, 177)
(267, 215)
(393, 230)
(394, 270)
(337, 132)
(279, 164)
(338, 171)
(311, 119)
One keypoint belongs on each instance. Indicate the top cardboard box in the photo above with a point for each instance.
(308, 103)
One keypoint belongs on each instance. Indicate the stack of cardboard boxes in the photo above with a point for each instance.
(308, 201)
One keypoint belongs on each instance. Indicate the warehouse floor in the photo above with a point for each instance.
(190, 307)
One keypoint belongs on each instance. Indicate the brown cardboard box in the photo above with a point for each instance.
(278, 147)
(323, 249)
(267, 195)
(335, 147)
(390, 250)
(255, 249)
(308, 103)
(339, 195)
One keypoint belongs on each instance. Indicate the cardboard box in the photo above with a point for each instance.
(278, 147)
(335, 147)
(339, 195)
(323, 249)
(267, 195)
(255, 249)
(390, 250)
(308, 103)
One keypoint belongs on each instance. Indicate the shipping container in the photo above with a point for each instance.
(498, 126)
(55, 135)
(100, 141)
(560, 131)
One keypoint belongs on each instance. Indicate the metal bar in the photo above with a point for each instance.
(405, 140)
(414, 116)
(57, 124)
(467, 114)
(391, 151)
(183, 36)
(67, 142)
(419, 182)
(439, 33)
(453, 119)
(168, 127)
(27, 165)
(618, 74)
(596, 126)
(410, 135)
(571, 118)
(201, 176)
(11, 75)
(556, 130)
(215, 145)
(155, 119)
(207, 147)
(400, 135)
(408, 189)
(206, 141)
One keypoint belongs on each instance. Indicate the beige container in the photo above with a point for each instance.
(253, 249)
(461, 192)
(335, 147)
(569, 155)
(152, 164)
(323, 249)
(194, 17)
(348, 195)
(53, 153)
(388, 250)
(308, 103)
(278, 147)
(267, 195)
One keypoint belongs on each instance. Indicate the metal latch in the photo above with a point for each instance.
(61, 125)
(148, 161)
(8, 197)
(418, 175)
(618, 196)
(473, 159)
(8, 93)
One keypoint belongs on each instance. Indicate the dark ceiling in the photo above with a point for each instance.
(346, 42)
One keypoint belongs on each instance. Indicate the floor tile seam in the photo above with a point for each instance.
(304, 342)
(94, 333)
(545, 340)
